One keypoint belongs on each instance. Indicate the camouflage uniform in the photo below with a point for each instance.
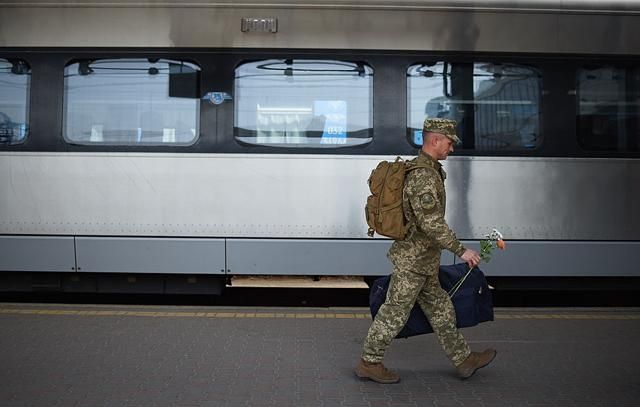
(416, 260)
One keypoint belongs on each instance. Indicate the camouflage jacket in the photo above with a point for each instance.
(424, 202)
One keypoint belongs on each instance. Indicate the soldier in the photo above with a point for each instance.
(416, 261)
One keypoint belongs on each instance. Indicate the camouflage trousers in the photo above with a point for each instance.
(406, 287)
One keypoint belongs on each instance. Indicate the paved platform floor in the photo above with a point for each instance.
(108, 355)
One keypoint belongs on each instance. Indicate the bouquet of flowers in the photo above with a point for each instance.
(491, 241)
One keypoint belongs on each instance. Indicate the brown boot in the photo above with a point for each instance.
(376, 372)
(475, 361)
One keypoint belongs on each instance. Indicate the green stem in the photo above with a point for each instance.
(454, 289)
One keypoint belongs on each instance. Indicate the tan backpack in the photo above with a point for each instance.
(384, 206)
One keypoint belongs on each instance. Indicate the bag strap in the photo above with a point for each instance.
(457, 285)
(411, 167)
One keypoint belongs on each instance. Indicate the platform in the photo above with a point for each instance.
(109, 355)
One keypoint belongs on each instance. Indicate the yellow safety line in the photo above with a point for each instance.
(295, 315)
(569, 316)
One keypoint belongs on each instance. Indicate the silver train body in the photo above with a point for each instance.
(289, 212)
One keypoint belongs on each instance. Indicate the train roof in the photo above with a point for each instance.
(542, 26)
(561, 6)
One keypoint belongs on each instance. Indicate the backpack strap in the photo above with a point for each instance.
(410, 166)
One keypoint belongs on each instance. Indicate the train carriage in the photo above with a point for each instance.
(165, 146)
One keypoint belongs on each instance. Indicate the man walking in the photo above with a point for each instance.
(416, 261)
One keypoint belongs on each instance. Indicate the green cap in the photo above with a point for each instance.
(446, 127)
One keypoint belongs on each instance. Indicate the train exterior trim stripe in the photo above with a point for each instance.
(149, 256)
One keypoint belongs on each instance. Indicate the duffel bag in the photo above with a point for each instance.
(472, 299)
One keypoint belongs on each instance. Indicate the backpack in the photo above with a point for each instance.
(383, 209)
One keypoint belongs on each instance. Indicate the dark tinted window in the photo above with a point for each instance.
(609, 108)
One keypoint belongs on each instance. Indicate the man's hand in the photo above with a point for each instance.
(471, 257)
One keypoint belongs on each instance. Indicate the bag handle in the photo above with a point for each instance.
(457, 285)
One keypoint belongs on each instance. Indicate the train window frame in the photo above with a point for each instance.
(466, 128)
(182, 87)
(16, 68)
(589, 127)
(326, 121)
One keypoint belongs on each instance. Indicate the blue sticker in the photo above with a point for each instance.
(417, 137)
(216, 98)
(335, 124)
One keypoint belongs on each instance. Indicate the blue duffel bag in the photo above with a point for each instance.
(472, 300)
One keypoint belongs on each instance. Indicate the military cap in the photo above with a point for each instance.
(445, 127)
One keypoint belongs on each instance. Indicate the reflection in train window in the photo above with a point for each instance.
(497, 106)
(304, 103)
(609, 108)
(15, 76)
(131, 102)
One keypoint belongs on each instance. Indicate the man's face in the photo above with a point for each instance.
(444, 146)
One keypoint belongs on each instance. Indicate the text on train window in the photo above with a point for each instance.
(609, 108)
(304, 103)
(497, 105)
(131, 102)
(15, 75)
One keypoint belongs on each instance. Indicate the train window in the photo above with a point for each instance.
(131, 102)
(497, 105)
(608, 110)
(304, 103)
(15, 75)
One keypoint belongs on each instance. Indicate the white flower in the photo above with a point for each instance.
(495, 235)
